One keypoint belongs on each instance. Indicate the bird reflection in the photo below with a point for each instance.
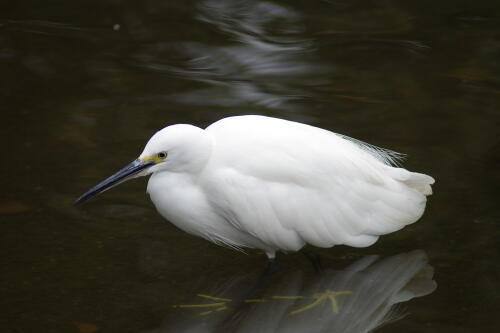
(266, 63)
(358, 298)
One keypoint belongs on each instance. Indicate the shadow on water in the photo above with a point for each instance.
(359, 298)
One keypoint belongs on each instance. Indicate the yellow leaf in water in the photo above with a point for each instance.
(86, 327)
(12, 207)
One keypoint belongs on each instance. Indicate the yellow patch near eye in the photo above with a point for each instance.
(154, 158)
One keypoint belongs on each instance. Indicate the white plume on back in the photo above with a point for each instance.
(389, 157)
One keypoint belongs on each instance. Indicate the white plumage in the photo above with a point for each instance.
(272, 184)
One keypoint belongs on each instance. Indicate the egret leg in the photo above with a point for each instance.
(272, 266)
(315, 260)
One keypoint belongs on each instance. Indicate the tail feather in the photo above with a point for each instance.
(418, 181)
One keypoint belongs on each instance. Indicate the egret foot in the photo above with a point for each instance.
(328, 295)
(247, 296)
(219, 304)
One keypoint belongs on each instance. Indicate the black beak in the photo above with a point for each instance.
(123, 175)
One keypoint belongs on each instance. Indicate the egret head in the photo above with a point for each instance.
(176, 148)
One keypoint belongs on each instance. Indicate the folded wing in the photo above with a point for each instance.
(288, 184)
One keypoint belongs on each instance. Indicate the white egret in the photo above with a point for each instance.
(272, 184)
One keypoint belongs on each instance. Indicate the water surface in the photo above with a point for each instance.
(84, 85)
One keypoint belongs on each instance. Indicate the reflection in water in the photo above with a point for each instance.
(266, 65)
(358, 298)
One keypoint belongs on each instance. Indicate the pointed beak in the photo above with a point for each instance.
(121, 176)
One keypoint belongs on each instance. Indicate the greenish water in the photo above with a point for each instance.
(84, 85)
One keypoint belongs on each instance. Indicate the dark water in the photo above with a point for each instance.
(84, 84)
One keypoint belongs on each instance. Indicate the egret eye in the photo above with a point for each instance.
(162, 155)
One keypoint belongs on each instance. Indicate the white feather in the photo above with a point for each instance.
(254, 181)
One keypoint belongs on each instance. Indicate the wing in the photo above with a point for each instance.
(288, 184)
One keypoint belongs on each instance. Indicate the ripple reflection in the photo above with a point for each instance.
(268, 63)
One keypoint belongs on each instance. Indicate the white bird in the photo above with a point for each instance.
(275, 185)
